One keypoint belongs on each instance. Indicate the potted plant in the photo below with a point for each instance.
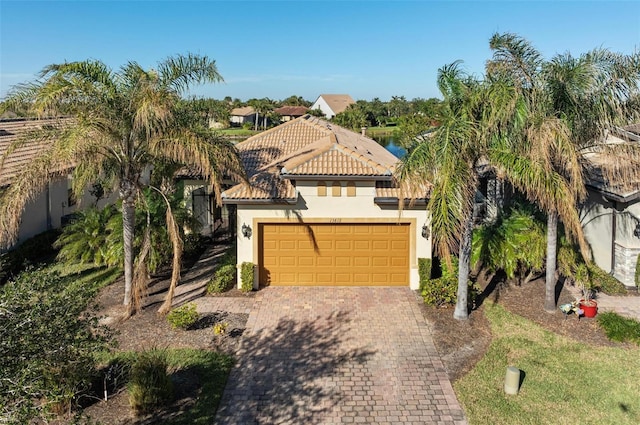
(582, 279)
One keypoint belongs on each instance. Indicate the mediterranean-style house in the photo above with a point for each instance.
(49, 209)
(245, 114)
(332, 104)
(611, 215)
(288, 113)
(322, 208)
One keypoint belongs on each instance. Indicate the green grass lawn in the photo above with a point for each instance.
(565, 382)
(380, 131)
(238, 132)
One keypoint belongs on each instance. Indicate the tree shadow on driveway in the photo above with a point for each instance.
(291, 372)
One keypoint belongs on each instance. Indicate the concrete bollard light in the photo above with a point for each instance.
(512, 381)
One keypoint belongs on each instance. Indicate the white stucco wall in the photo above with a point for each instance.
(329, 209)
(321, 104)
(47, 209)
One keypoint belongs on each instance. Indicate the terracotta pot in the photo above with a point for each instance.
(590, 308)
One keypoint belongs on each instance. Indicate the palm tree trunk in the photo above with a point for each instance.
(462, 311)
(128, 225)
(552, 246)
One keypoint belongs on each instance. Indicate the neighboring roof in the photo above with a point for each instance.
(619, 191)
(337, 102)
(10, 132)
(292, 111)
(243, 112)
(306, 148)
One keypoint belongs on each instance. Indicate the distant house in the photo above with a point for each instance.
(611, 215)
(322, 208)
(243, 115)
(332, 104)
(288, 113)
(48, 209)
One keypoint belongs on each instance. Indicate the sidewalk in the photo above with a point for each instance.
(628, 306)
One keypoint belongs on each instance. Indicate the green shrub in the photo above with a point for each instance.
(440, 292)
(46, 344)
(424, 271)
(150, 385)
(604, 282)
(34, 250)
(246, 276)
(223, 279)
(619, 328)
(443, 291)
(637, 276)
(183, 317)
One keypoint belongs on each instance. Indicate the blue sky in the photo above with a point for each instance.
(280, 48)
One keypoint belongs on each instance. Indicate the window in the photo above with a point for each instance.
(351, 189)
(322, 189)
(336, 189)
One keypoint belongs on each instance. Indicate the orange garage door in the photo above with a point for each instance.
(334, 254)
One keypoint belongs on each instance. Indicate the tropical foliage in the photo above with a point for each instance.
(571, 103)
(124, 123)
(515, 243)
(46, 343)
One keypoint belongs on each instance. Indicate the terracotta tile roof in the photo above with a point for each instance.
(293, 111)
(307, 146)
(10, 132)
(393, 191)
(338, 102)
(243, 112)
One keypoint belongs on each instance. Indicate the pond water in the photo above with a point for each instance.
(388, 143)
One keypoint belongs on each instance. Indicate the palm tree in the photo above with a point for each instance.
(479, 128)
(572, 102)
(124, 122)
(447, 159)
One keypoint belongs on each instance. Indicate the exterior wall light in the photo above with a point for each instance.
(636, 231)
(246, 231)
(425, 232)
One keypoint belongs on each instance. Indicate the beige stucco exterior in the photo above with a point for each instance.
(311, 208)
(614, 251)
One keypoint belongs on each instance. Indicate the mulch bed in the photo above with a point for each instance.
(463, 343)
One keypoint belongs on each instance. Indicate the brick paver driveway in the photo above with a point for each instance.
(338, 355)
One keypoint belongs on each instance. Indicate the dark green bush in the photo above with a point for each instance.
(440, 292)
(637, 275)
(150, 385)
(619, 328)
(604, 282)
(443, 291)
(46, 344)
(33, 251)
(246, 276)
(424, 271)
(223, 279)
(183, 317)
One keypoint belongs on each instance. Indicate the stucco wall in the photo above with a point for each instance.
(47, 209)
(329, 209)
(596, 224)
(617, 253)
(324, 107)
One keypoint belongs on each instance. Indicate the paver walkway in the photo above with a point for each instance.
(628, 306)
(335, 356)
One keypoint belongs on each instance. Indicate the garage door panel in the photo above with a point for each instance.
(324, 261)
(380, 245)
(362, 261)
(334, 254)
(344, 245)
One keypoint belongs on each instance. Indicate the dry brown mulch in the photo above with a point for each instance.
(463, 343)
